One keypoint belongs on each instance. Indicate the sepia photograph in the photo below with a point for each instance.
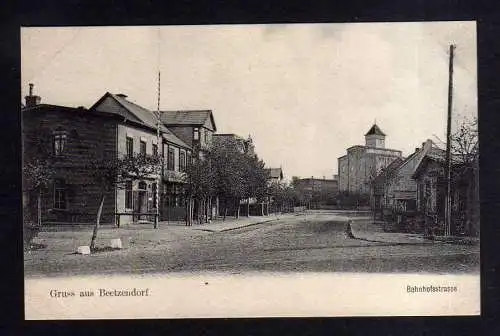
(260, 170)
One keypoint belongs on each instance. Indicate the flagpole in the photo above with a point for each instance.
(158, 146)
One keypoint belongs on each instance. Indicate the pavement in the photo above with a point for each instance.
(232, 224)
(307, 242)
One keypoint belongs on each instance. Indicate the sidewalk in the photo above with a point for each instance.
(370, 231)
(236, 223)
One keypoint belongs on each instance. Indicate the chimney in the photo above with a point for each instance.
(32, 100)
(416, 149)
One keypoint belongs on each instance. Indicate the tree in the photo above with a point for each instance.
(110, 173)
(465, 160)
(199, 177)
(465, 145)
(255, 179)
(37, 175)
(229, 180)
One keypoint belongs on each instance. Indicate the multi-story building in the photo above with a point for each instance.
(194, 127)
(132, 138)
(113, 127)
(361, 164)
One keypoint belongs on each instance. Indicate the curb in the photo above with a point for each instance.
(239, 227)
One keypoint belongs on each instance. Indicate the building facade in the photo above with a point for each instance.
(361, 164)
(139, 134)
(195, 128)
(112, 128)
(430, 179)
(319, 191)
(399, 187)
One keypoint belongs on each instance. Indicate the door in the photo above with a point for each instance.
(142, 200)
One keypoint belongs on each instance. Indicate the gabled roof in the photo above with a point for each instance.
(375, 130)
(438, 155)
(390, 169)
(188, 117)
(140, 115)
(275, 173)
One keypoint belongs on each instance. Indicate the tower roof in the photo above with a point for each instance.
(375, 130)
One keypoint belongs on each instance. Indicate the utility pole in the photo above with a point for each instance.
(447, 216)
(159, 147)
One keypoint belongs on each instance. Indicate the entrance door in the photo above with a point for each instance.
(142, 200)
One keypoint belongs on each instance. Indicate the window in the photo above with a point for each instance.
(59, 143)
(128, 195)
(196, 133)
(59, 194)
(189, 159)
(143, 147)
(171, 159)
(130, 147)
(155, 149)
(182, 161)
(206, 137)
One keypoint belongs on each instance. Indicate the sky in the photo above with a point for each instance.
(304, 92)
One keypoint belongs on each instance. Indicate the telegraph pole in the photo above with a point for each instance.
(447, 216)
(159, 146)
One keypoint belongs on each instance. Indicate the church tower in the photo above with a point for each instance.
(375, 137)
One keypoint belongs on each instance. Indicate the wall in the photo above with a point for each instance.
(137, 134)
(343, 173)
(87, 135)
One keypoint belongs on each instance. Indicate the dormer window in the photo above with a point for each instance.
(196, 133)
(60, 138)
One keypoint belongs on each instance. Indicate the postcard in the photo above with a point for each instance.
(270, 170)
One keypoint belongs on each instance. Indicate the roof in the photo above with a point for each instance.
(375, 130)
(390, 168)
(144, 116)
(187, 117)
(438, 155)
(275, 173)
(69, 109)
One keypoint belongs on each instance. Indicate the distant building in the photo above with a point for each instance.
(362, 163)
(245, 146)
(319, 191)
(275, 174)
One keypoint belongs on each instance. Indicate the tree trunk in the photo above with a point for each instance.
(238, 208)
(39, 208)
(248, 207)
(207, 204)
(191, 211)
(262, 208)
(96, 226)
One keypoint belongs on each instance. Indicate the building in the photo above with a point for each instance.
(431, 192)
(194, 127)
(399, 189)
(243, 145)
(319, 191)
(275, 174)
(361, 164)
(113, 127)
(131, 138)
